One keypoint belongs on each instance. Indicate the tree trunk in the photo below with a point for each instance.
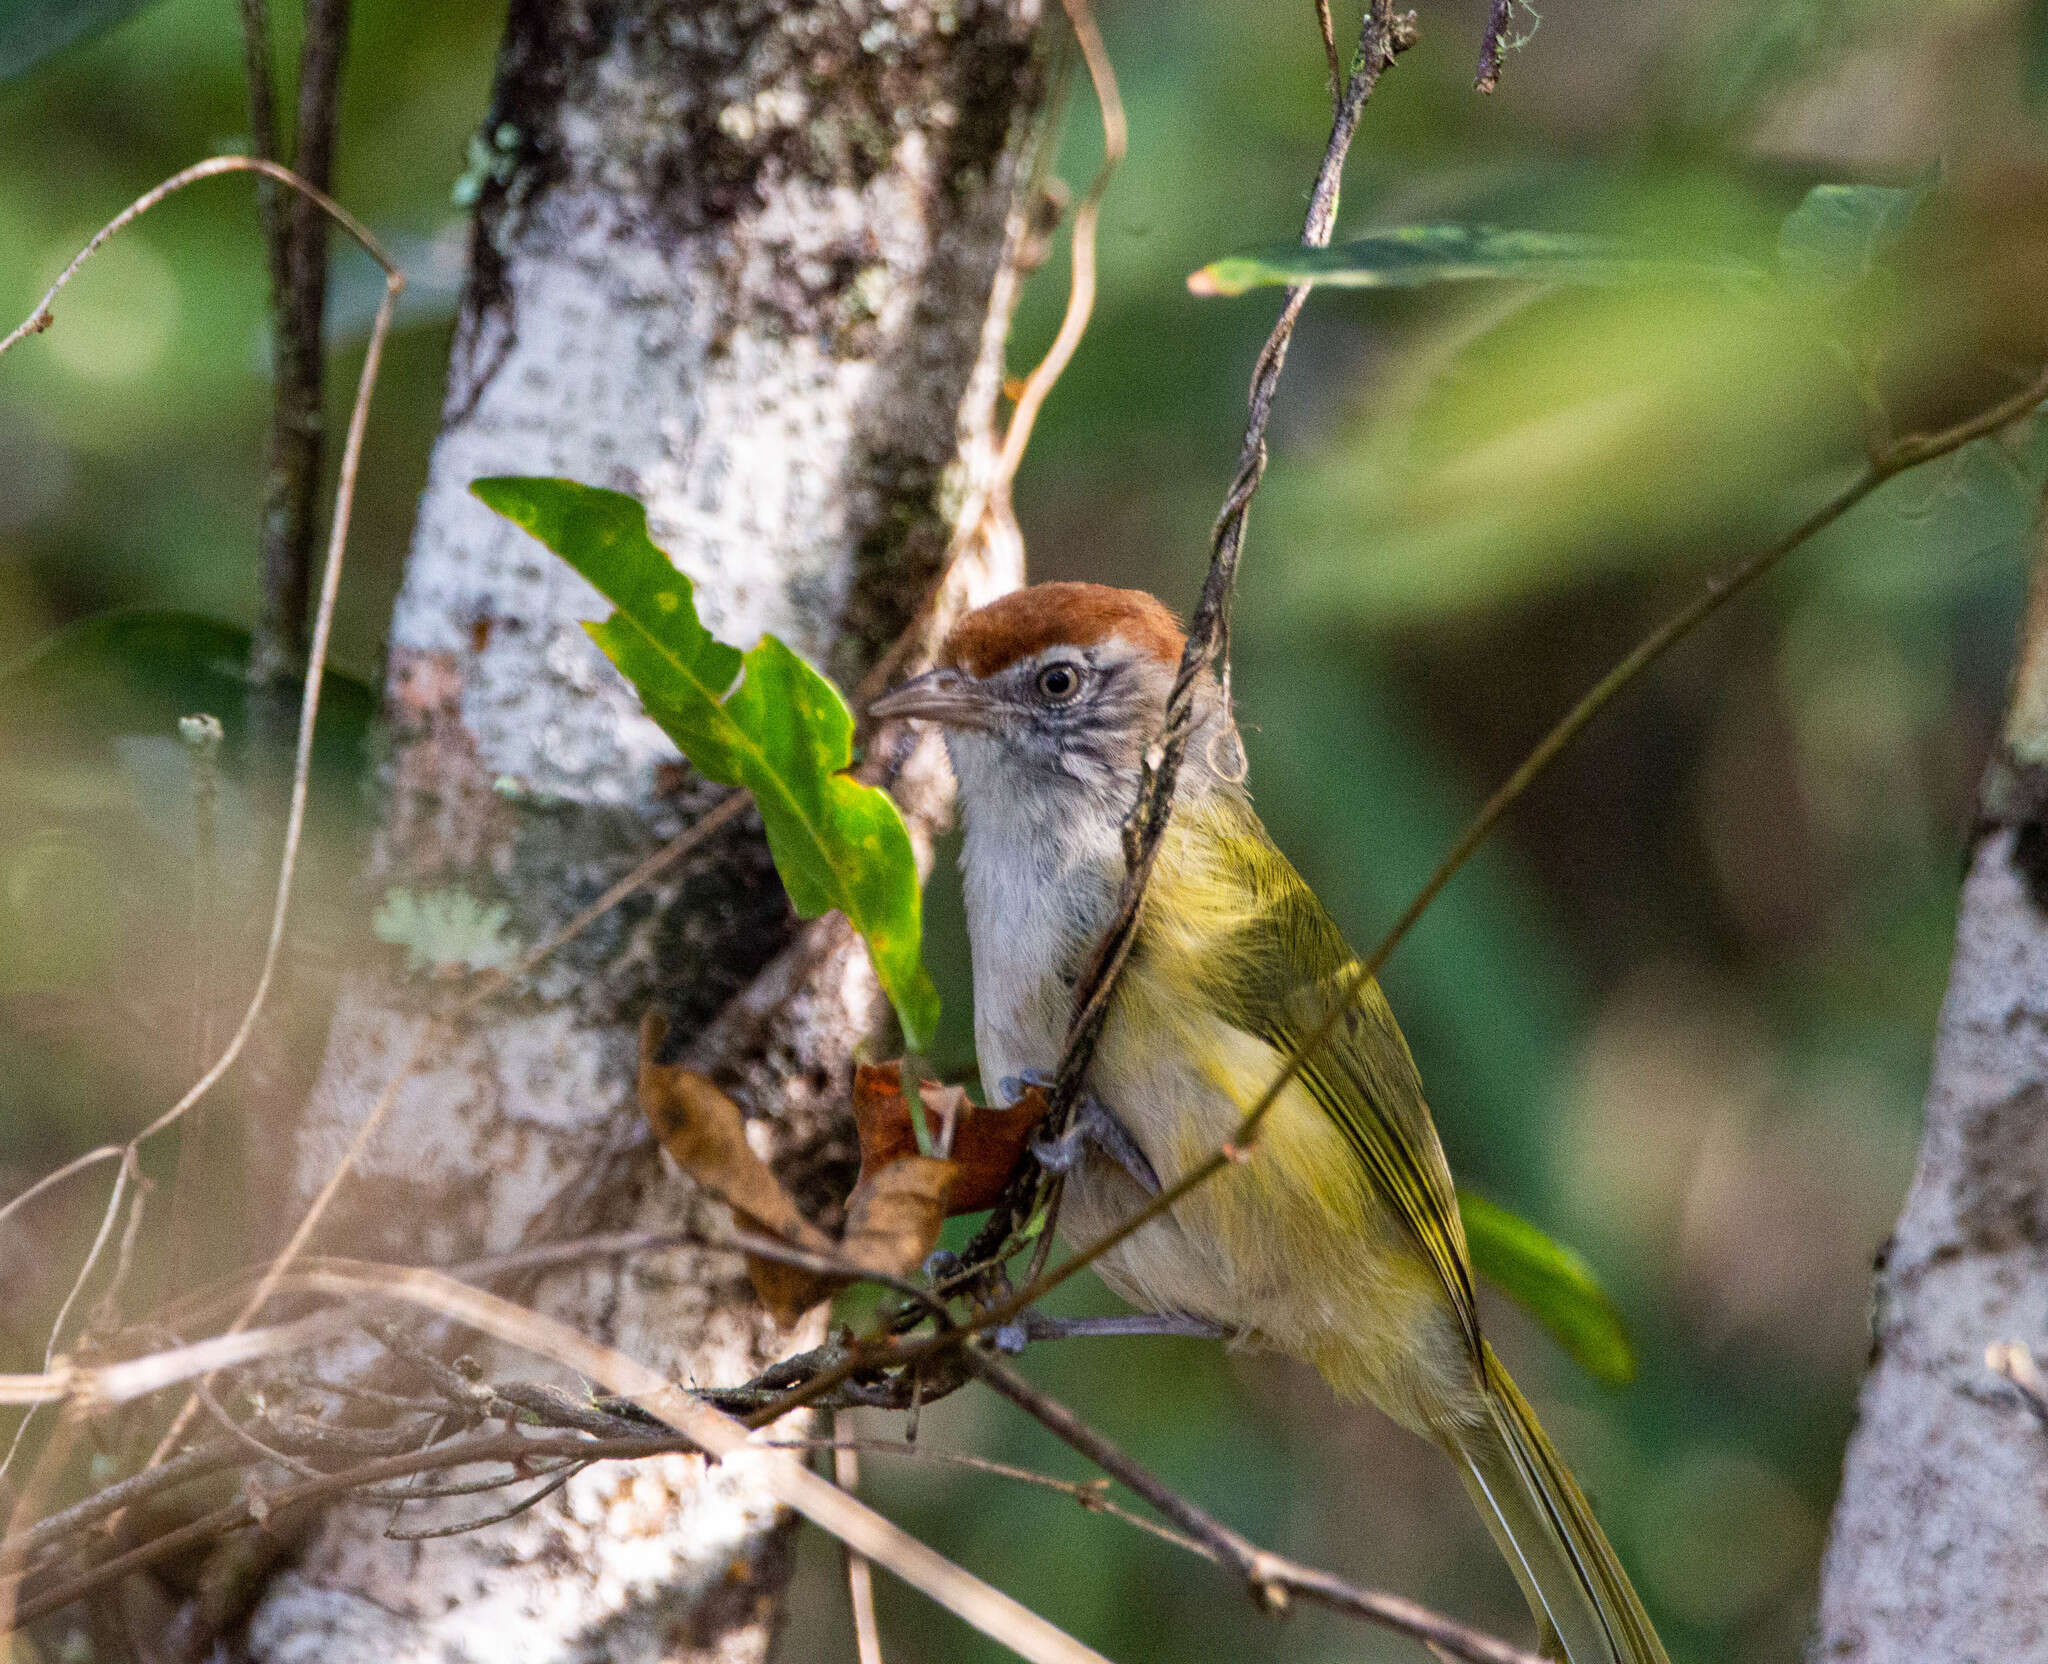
(1940, 1542)
(751, 260)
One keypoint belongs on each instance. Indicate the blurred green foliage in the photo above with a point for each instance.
(1679, 1014)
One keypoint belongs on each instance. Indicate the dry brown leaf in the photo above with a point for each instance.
(707, 1136)
(987, 1144)
(903, 1198)
(894, 1214)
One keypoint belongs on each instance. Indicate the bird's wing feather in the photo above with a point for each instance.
(1277, 979)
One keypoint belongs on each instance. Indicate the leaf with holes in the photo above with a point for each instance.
(1553, 1284)
(783, 732)
(1413, 256)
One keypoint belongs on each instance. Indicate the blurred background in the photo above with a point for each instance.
(1679, 1013)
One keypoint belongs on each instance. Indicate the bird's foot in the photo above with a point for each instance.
(1092, 1124)
(1040, 1327)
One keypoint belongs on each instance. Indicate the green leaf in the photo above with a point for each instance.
(1839, 233)
(32, 30)
(1553, 1284)
(783, 733)
(1411, 256)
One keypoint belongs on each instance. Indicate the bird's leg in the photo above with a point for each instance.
(1033, 1325)
(1040, 1327)
(1092, 1124)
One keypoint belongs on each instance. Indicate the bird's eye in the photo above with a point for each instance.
(1059, 681)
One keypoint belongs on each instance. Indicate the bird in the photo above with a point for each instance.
(1336, 1237)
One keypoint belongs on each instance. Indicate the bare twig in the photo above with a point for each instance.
(488, 987)
(1088, 1493)
(1328, 29)
(195, 1463)
(394, 281)
(1381, 38)
(1493, 45)
(296, 236)
(787, 1479)
(502, 1447)
(1272, 1578)
(1081, 288)
(860, 1571)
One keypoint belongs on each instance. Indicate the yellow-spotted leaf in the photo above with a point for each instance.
(1553, 1284)
(783, 732)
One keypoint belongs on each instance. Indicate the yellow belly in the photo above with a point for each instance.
(1289, 1245)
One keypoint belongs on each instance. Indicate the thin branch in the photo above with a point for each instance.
(1493, 44)
(788, 1480)
(860, 1570)
(296, 235)
(488, 987)
(533, 1499)
(187, 1465)
(1271, 1577)
(1381, 37)
(501, 1447)
(1081, 288)
(1328, 29)
(1088, 1493)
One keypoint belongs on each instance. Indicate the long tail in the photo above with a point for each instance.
(1584, 1604)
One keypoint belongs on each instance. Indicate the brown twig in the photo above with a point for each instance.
(1270, 1577)
(394, 282)
(295, 234)
(1327, 27)
(1381, 38)
(491, 984)
(1493, 45)
(499, 1447)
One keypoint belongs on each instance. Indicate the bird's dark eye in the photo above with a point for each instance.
(1059, 681)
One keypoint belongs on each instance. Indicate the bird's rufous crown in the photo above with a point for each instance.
(1026, 621)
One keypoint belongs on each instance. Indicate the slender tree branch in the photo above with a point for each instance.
(1270, 1577)
(1208, 647)
(1493, 44)
(296, 233)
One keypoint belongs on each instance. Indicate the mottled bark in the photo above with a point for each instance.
(751, 260)
(1940, 1541)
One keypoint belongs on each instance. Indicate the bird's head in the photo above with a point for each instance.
(1055, 691)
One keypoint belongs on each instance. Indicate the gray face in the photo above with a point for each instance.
(1066, 719)
(1063, 729)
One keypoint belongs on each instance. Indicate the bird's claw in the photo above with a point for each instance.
(1092, 1124)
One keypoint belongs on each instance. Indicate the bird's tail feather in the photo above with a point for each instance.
(1584, 1604)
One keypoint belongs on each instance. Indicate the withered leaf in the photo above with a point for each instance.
(896, 1210)
(988, 1144)
(703, 1130)
(894, 1214)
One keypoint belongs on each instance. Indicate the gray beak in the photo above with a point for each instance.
(943, 696)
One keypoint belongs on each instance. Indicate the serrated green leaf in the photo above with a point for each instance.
(1553, 1284)
(1411, 256)
(31, 30)
(1839, 233)
(783, 733)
